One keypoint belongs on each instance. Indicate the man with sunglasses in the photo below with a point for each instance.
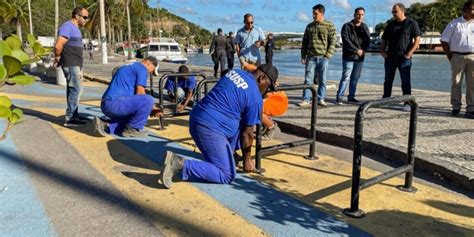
(247, 42)
(221, 123)
(68, 54)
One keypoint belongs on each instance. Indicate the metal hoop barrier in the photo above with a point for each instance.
(407, 169)
(311, 141)
(161, 96)
(204, 83)
(166, 71)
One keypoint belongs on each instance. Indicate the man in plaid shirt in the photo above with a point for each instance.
(319, 43)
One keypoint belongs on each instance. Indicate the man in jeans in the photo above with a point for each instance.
(319, 42)
(355, 41)
(68, 54)
(399, 41)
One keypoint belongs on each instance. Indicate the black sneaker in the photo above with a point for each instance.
(469, 115)
(172, 165)
(353, 100)
(74, 122)
(99, 127)
(133, 132)
(455, 112)
(339, 101)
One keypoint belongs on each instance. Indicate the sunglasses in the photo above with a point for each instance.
(84, 17)
(249, 22)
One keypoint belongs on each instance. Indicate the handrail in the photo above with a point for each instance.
(407, 169)
(161, 85)
(311, 141)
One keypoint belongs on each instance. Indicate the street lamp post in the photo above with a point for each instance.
(103, 38)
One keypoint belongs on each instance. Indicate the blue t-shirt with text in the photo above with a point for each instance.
(233, 103)
(125, 81)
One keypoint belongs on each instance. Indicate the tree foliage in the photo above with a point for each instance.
(433, 16)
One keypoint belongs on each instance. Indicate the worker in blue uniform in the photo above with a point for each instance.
(221, 123)
(185, 88)
(125, 101)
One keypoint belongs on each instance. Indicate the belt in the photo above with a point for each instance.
(466, 53)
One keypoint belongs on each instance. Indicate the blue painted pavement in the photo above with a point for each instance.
(21, 211)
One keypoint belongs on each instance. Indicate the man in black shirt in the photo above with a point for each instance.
(399, 41)
(355, 42)
(230, 50)
(269, 49)
(218, 49)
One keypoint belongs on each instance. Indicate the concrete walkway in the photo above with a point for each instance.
(444, 144)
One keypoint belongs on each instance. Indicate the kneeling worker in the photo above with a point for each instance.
(186, 85)
(222, 122)
(125, 101)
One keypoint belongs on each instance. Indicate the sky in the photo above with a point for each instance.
(276, 15)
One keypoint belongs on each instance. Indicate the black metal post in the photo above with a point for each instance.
(408, 169)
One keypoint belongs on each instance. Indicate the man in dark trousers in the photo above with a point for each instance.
(218, 51)
(269, 49)
(230, 50)
(399, 41)
(355, 42)
(68, 54)
(221, 123)
(125, 101)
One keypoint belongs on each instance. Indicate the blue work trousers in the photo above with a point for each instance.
(350, 75)
(127, 111)
(218, 152)
(316, 68)
(404, 67)
(73, 90)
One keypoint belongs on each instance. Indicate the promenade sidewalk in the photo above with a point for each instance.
(444, 144)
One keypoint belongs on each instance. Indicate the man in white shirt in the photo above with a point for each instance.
(458, 44)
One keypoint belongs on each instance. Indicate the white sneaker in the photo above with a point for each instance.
(322, 103)
(407, 108)
(304, 103)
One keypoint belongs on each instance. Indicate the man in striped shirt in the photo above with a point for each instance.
(319, 42)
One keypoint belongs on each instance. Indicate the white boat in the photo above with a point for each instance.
(163, 49)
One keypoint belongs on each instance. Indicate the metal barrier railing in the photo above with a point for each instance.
(408, 169)
(160, 71)
(201, 84)
(161, 95)
(311, 141)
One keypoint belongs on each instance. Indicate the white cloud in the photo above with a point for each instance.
(302, 17)
(342, 3)
(245, 3)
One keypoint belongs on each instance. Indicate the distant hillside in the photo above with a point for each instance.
(171, 25)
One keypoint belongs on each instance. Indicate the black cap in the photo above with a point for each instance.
(272, 73)
(152, 60)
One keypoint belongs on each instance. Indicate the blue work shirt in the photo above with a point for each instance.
(187, 84)
(125, 81)
(233, 103)
(246, 41)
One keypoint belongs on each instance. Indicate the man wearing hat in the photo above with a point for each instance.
(221, 123)
(125, 101)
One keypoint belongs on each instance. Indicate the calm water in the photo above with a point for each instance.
(431, 72)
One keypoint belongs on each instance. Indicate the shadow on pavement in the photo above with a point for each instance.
(81, 185)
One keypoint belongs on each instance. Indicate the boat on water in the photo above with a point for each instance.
(163, 49)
